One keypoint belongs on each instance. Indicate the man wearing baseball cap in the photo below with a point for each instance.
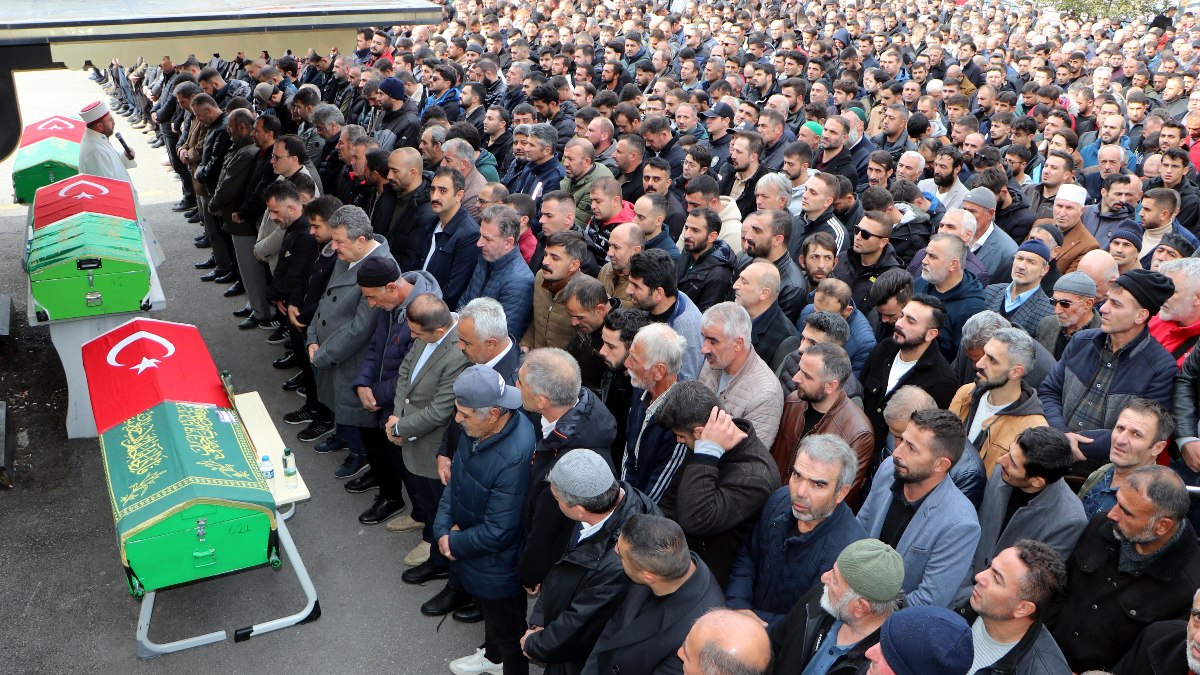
(1022, 300)
(1101, 370)
(843, 616)
(717, 121)
(478, 523)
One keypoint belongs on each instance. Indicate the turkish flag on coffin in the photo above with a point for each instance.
(144, 362)
(66, 128)
(84, 193)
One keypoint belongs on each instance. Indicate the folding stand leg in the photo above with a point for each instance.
(311, 611)
(147, 649)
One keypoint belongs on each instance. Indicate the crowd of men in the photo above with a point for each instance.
(816, 336)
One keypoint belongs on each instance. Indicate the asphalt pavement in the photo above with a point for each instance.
(64, 600)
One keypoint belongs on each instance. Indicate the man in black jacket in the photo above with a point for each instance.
(671, 588)
(908, 359)
(739, 179)
(400, 126)
(298, 249)
(573, 417)
(1136, 565)
(412, 220)
(584, 588)
(706, 267)
(1165, 647)
(857, 594)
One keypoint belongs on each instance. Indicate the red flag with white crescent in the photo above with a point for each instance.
(60, 126)
(144, 362)
(83, 193)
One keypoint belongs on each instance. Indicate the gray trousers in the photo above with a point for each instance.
(222, 250)
(254, 276)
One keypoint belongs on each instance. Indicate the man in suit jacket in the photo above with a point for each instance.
(672, 588)
(340, 330)
(452, 251)
(1028, 484)
(423, 408)
(915, 508)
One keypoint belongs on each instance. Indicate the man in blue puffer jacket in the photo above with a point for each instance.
(478, 524)
(501, 272)
(803, 528)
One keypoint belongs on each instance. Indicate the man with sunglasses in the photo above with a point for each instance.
(870, 255)
(1074, 302)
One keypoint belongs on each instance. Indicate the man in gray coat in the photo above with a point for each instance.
(340, 330)
(422, 409)
(1027, 498)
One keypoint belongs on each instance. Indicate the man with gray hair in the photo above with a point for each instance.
(339, 333)
(585, 587)
(652, 453)
(999, 404)
(960, 223)
(543, 172)
(975, 334)
(460, 156)
(819, 405)
(1177, 324)
(944, 277)
(571, 417)
(1074, 302)
(501, 272)
(859, 592)
(744, 384)
(802, 530)
(328, 121)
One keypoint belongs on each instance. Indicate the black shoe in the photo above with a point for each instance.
(381, 511)
(184, 205)
(203, 243)
(227, 278)
(469, 614)
(279, 337)
(157, 143)
(293, 382)
(270, 324)
(196, 219)
(192, 213)
(447, 600)
(284, 363)
(365, 482)
(206, 265)
(426, 571)
(212, 276)
(243, 312)
(331, 444)
(315, 430)
(234, 290)
(301, 416)
(302, 392)
(248, 323)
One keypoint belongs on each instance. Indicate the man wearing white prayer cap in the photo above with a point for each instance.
(1068, 211)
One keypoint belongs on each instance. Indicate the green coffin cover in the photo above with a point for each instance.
(42, 163)
(86, 265)
(179, 457)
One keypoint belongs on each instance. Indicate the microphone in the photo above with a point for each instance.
(121, 140)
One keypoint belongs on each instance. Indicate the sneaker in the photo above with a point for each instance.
(302, 392)
(270, 325)
(405, 524)
(474, 664)
(353, 466)
(315, 430)
(331, 444)
(301, 416)
(419, 554)
(279, 337)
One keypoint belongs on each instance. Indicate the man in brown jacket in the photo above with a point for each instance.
(551, 325)
(819, 406)
(1068, 216)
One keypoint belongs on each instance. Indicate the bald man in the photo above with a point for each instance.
(757, 289)
(1102, 268)
(412, 220)
(725, 642)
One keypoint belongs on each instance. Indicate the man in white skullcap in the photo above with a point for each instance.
(98, 157)
(1068, 212)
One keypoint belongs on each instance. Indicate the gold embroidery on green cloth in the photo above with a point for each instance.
(141, 443)
(198, 432)
(139, 488)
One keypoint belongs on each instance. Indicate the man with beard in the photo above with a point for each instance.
(551, 325)
(588, 305)
(943, 277)
(913, 486)
(706, 268)
(1006, 607)
(1073, 300)
(1135, 565)
(870, 255)
(497, 137)
(834, 156)
(413, 220)
(831, 628)
(945, 184)
(654, 288)
(908, 359)
(620, 327)
(765, 237)
(744, 384)
(1171, 646)
(999, 404)
(1118, 195)
(399, 126)
(803, 529)
(1177, 324)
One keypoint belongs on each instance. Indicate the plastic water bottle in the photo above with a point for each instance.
(266, 467)
(290, 477)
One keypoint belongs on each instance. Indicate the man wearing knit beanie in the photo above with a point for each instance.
(1101, 370)
(859, 594)
(1125, 247)
(1022, 301)
(923, 641)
